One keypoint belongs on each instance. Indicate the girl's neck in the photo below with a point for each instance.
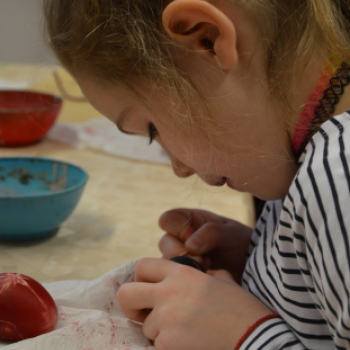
(344, 103)
(307, 84)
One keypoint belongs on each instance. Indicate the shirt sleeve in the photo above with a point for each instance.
(316, 216)
(273, 335)
(324, 190)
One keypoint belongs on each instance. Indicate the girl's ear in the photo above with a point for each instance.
(202, 27)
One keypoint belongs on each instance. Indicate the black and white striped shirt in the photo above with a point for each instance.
(299, 259)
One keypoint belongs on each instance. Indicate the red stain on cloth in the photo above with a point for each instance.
(89, 317)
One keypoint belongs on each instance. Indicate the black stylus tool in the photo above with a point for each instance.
(185, 260)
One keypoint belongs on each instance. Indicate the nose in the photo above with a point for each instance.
(180, 169)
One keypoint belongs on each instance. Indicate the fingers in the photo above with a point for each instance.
(136, 299)
(208, 237)
(170, 246)
(152, 270)
(188, 231)
(177, 223)
(150, 329)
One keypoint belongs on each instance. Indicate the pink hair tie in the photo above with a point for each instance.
(302, 130)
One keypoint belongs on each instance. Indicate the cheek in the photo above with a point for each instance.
(196, 148)
(188, 150)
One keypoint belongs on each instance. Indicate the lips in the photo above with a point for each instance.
(221, 182)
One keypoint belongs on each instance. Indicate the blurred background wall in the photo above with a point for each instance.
(21, 38)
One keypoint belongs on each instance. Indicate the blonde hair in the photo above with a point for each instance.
(112, 40)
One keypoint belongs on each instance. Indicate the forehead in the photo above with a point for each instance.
(108, 100)
(142, 101)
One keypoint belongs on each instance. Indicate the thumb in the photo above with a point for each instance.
(222, 274)
(210, 236)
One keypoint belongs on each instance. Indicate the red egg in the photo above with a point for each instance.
(26, 308)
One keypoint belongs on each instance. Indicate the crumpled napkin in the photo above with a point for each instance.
(102, 134)
(13, 85)
(89, 317)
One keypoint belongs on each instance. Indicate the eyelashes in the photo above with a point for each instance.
(153, 132)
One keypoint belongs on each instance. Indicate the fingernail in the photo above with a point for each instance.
(194, 243)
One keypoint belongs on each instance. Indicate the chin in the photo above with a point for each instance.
(271, 195)
(263, 193)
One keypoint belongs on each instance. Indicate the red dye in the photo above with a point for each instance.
(26, 308)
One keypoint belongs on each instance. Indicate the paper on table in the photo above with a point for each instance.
(90, 317)
(102, 134)
(13, 85)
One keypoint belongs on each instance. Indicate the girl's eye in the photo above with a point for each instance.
(152, 132)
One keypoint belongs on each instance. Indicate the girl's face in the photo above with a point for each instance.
(243, 144)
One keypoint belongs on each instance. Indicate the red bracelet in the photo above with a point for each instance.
(253, 327)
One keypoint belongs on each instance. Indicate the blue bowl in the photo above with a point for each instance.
(36, 195)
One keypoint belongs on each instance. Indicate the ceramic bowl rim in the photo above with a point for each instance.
(50, 194)
(58, 101)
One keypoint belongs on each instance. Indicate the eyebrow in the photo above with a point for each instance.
(121, 120)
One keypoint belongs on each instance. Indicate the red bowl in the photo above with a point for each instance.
(25, 117)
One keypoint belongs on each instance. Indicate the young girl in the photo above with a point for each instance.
(248, 93)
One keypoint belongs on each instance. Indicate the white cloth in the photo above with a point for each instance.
(89, 317)
(102, 134)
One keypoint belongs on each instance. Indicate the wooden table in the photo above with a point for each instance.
(116, 219)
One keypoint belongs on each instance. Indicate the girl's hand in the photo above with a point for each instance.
(183, 308)
(214, 241)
